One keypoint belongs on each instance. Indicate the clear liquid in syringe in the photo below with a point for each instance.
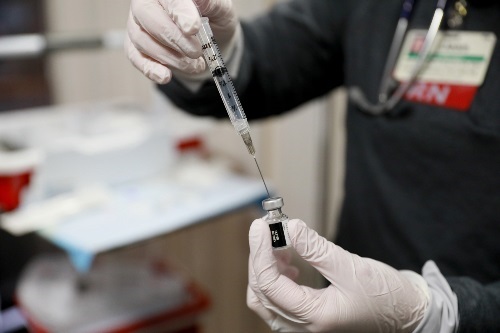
(213, 58)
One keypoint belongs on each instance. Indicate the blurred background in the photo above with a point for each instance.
(300, 154)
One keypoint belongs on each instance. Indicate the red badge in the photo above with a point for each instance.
(457, 97)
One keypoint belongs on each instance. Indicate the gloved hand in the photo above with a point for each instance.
(161, 34)
(364, 295)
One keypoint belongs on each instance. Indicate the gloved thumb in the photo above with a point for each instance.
(333, 262)
(285, 295)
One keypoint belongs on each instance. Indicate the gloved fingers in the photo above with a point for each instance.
(252, 281)
(159, 22)
(262, 262)
(148, 46)
(259, 303)
(284, 259)
(333, 262)
(184, 13)
(214, 9)
(255, 304)
(152, 69)
(284, 296)
(223, 19)
(418, 282)
(287, 270)
(275, 322)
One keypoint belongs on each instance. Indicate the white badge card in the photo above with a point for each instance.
(456, 66)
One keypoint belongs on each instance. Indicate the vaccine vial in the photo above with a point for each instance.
(278, 222)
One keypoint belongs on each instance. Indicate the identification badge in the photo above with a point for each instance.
(454, 70)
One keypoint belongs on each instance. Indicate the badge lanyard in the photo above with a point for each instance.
(386, 102)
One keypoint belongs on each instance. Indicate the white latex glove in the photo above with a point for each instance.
(364, 295)
(161, 34)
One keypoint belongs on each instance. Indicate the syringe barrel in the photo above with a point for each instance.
(205, 34)
(213, 58)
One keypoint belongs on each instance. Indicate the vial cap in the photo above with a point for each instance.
(272, 203)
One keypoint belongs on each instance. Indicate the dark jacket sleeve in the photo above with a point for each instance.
(292, 55)
(478, 305)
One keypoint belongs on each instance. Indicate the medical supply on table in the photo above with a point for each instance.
(213, 58)
(16, 168)
(278, 222)
(124, 293)
(77, 145)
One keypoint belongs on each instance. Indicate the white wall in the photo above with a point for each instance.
(93, 74)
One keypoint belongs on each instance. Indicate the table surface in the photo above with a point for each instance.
(141, 210)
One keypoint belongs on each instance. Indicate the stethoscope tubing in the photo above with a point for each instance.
(356, 94)
(397, 42)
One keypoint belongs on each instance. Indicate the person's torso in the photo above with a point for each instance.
(422, 182)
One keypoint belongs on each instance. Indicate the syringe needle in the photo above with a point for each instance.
(255, 159)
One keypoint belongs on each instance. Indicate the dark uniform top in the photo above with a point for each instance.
(422, 182)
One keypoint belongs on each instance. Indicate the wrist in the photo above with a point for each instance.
(441, 315)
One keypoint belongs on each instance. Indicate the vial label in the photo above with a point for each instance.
(277, 235)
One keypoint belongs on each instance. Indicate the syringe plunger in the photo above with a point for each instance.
(213, 58)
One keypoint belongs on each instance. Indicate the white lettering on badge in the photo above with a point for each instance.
(429, 93)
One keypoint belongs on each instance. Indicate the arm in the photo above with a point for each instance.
(478, 305)
(291, 55)
(364, 294)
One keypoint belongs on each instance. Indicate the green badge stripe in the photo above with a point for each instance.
(471, 58)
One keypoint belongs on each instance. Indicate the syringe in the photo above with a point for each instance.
(224, 84)
(213, 58)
